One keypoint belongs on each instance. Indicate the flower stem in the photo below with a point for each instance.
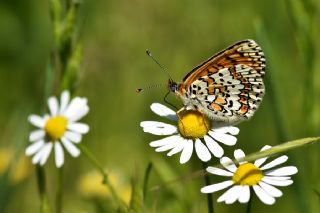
(59, 191)
(248, 210)
(98, 166)
(41, 179)
(146, 180)
(209, 195)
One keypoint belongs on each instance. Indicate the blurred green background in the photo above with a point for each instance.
(181, 34)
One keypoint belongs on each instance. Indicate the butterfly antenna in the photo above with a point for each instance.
(157, 62)
(166, 101)
(149, 87)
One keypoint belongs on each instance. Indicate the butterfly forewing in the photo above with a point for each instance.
(227, 87)
(246, 52)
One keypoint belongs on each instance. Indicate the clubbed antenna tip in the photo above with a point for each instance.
(139, 90)
(148, 52)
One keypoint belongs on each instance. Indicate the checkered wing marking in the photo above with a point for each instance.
(229, 83)
(227, 96)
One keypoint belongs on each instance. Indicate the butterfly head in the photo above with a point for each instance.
(173, 86)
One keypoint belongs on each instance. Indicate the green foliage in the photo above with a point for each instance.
(98, 48)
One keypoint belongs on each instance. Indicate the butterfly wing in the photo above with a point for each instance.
(228, 86)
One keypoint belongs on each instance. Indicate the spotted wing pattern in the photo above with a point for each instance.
(228, 86)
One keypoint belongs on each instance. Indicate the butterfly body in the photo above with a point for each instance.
(228, 87)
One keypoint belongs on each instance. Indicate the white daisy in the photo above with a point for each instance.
(192, 129)
(261, 178)
(57, 129)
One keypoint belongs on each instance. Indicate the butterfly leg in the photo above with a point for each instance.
(180, 114)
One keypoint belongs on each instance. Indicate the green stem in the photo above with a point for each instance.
(41, 179)
(318, 195)
(209, 195)
(279, 123)
(248, 210)
(146, 180)
(59, 192)
(105, 181)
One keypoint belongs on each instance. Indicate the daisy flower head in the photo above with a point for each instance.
(58, 130)
(192, 131)
(259, 176)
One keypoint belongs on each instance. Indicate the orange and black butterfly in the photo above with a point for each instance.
(228, 87)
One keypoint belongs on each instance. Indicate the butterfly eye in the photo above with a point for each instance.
(173, 86)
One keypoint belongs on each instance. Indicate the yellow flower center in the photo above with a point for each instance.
(193, 124)
(247, 174)
(55, 127)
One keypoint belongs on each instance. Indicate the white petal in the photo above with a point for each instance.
(73, 136)
(74, 105)
(228, 129)
(238, 155)
(186, 152)
(265, 147)
(263, 196)
(213, 146)
(231, 195)
(64, 100)
(77, 109)
(72, 149)
(36, 135)
(274, 182)
(80, 113)
(260, 161)
(275, 162)
(202, 151)
(37, 157)
(223, 138)
(278, 178)
(158, 128)
(218, 171)
(34, 147)
(166, 147)
(216, 187)
(53, 105)
(271, 190)
(167, 140)
(244, 194)
(78, 127)
(283, 171)
(46, 117)
(164, 111)
(37, 121)
(59, 156)
(46, 150)
(228, 164)
(179, 147)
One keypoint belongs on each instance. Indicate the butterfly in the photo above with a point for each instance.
(228, 87)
